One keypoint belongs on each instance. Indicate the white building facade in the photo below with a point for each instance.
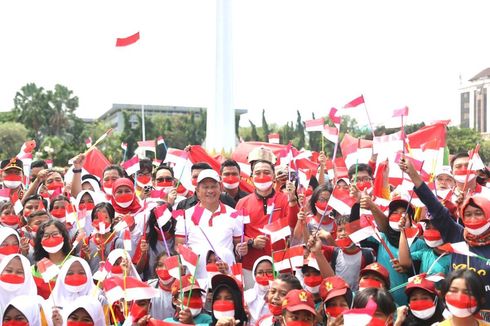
(474, 103)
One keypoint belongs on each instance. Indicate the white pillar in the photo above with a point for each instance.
(220, 124)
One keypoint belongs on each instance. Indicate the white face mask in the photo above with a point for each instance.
(460, 312)
(125, 204)
(395, 226)
(195, 311)
(312, 290)
(231, 185)
(10, 287)
(263, 186)
(223, 314)
(108, 191)
(434, 244)
(55, 249)
(462, 178)
(425, 313)
(12, 184)
(263, 288)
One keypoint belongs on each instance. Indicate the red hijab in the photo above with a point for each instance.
(135, 205)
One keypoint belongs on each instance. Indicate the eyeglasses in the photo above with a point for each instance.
(51, 235)
(363, 179)
(168, 179)
(263, 273)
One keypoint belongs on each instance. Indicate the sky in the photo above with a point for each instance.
(287, 55)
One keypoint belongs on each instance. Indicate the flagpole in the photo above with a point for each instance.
(143, 122)
(369, 119)
(335, 150)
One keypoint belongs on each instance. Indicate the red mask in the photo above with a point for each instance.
(362, 185)
(475, 224)
(432, 234)
(194, 303)
(163, 274)
(79, 323)
(124, 198)
(275, 310)
(194, 182)
(75, 279)
(9, 250)
(264, 279)
(15, 323)
(107, 184)
(335, 311)
(12, 278)
(264, 179)
(59, 212)
(144, 179)
(52, 241)
(116, 269)
(365, 283)
(55, 185)
(313, 281)
(86, 206)
(344, 242)
(321, 205)
(298, 323)
(231, 179)
(12, 177)
(11, 220)
(165, 184)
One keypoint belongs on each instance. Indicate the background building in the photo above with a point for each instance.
(474, 102)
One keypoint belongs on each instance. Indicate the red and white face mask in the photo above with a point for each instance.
(460, 305)
(264, 183)
(86, 206)
(75, 282)
(195, 305)
(143, 180)
(59, 214)
(53, 244)
(17, 323)
(223, 308)
(12, 181)
(53, 186)
(334, 311)
(394, 221)
(432, 238)
(312, 283)
(460, 176)
(8, 250)
(166, 186)
(164, 277)
(423, 309)
(11, 221)
(263, 281)
(366, 283)
(476, 228)
(124, 200)
(344, 243)
(11, 282)
(231, 182)
(107, 185)
(102, 227)
(321, 207)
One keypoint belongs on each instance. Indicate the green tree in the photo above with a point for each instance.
(265, 127)
(253, 134)
(462, 139)
(31, 108)
(12, 136)
(299, 139)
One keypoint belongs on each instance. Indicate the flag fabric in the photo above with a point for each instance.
(355, 102)
(461, 248)
(360, 229)
(172, 265)
(49, 163)
(125, 41)
(179, 160)
(95, 163)
(304, 176)
(88, 142)
(237, 271)
(334, 117)
(16, 203)
(403, 112)
(277, 230)
(188, 257)
(132, 165)
(289, 258)
(314, 125)
(5, 194)
(331, 133)
(128, 246)
(274, 138)
(476, 162)
(360, 316)
(411, 234)
(163, 215)
(341, 201)
(355, 150)
(112, 291)
(147, 145)
(124, 146)
(47, 269)
(339, 168)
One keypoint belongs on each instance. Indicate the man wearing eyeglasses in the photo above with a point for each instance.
(163, 179)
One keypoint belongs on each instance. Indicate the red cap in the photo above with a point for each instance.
(378, 269)
(332, 287)
(420, 282)
(187, 285)
(297, 300)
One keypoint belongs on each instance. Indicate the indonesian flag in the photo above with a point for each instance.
(125, 41)
(403, 112)
(127, 240)
(274, 138)
(355, 150)
(5, 194)
(355, 102)
(113, 292)
(132, 165)
(188, 257)
(47, 269)
(95, 161)
(314, 125)
(88, 142)
(180, 162)
(411, 234)
(360, 316)
(130, 287)
(237, 271)
(126, 222)
(172, 265)
(163, 215)
(289, 258)
(124, 146)
(341, 201)
(103, 271)
(147, 145)
(16, 203)
(331, 133)
(340, 168)
(160, 140)
(476, 162)
(360, 229)
(277, 230)
(334, 117)
(27, 147)
(461, 248)
(242, 215)
(304, 176)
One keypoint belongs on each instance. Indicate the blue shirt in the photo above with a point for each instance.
(199, 320)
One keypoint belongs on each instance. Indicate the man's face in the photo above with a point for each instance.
(461, 164)
(208, 191)
(443, 182)
(262, 169)
(362, 176)
(163, 175)
(230, 171)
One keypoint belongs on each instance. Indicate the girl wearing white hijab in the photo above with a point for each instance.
(9, 242)
(85, 309)
(120, 259)
(24, 309)
(15, 279)
(255, 297)
(87, 199)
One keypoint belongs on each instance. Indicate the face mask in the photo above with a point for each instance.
(264, 183)
(87, 206)
(263, 282)
(460, 176)
(460, 305)
(321, 207)
(312, 283)
(107, 187)
(366, 283)
(335, 311)
(15, 323)
(423, 309)
(136, 312)
(143, 180)
(59, 214)
(79, 323)
(102, 227)
(166, 186)
(476, 228)
(442, 193)
(11, 221)
(231, 182)
(275, 310)
(377, 322)
(52, 244)
(195, 306)
(8, 250)
(432, 238)
(54, 185)
(124, 200)
(394, 220)
(12, 181)
(363, 185)
(223, 308)
(344, 243)
(11, 282)
(298, 323)
(194, 182)
(75, 282)
(164, 276)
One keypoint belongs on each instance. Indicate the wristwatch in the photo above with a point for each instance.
(250, 243)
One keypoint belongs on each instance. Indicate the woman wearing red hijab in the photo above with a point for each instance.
(124, 199)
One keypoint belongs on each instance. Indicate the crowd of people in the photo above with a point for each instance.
(117, 249)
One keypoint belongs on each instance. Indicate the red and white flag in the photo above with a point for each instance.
(334, 117)
(360, 229)
(277, 230)
(47, 269)
(331, 133)
(163, 215)
(476, 162)
(341, 201)
(160, 140)
(289, 258)
(124, 146)
(180, 162)
(127, 244)
(237, 271)
(314, 125)
(132, 165)
(112, 291)
(304, 176)
(147, 145)
(356, 150)
(461, 248)
(126, 222)
(5, 194)
(360, 316)
(403, 112)
(188, 257)
(125, 41)
(138, 290)
(411, 234)
(274, 138)
(172, 265)
(16, 203)
(355, 102)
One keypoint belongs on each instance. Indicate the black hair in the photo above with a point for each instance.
(39, 252)
(237, 295)
(316, 193)
(163, 167)
(55, 199)
(262, 161)
(229, 163)
(291, 280)
(360, 168)
(157, 259)
(34, 197)
(38, 213)
(146, 164)
(92, 177)
(200, 166)
(383, 298)
(39, 164)
(474, 285)
(109, 208)
(456, 156)
(153, 228)
(117, 168)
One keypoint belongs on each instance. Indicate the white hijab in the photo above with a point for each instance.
(6, 232)
(255, 297)
(91, 305)
(115, 254)
(29, 306)
(28, 287)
